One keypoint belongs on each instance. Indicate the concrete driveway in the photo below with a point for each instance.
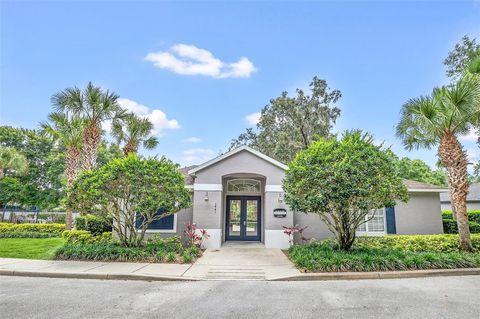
(425, 298)
(242, 262)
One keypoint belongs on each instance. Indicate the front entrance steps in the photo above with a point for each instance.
(242, 263)
(235, 273)
(243, 244)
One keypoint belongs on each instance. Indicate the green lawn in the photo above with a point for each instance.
(30, 248)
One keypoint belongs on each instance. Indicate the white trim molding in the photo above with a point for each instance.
(274, 188)
(233, 152)
(276, 239)
(428, 190)
(208, 187)
(215, 239)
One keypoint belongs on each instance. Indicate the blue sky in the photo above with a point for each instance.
(378, 54)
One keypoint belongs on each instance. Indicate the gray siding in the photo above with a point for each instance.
(242, 162)
(470, 206)
(316, 228)
(420, 215)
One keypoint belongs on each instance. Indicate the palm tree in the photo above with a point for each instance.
(133, 131)
(11, 159)
(95, 106)
(68, 131)
(438, 120)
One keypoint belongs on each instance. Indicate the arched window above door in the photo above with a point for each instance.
(243, 185)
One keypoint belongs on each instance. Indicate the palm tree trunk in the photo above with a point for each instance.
(130, 147)
(91, 139)
(72, 165)
(454, 158)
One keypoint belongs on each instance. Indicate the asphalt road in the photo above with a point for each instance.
(440, 297)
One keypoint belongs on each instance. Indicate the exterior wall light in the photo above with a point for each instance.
(280, 198)
(206, 197)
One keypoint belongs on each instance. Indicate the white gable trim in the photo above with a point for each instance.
(233, 152)
(428, 190)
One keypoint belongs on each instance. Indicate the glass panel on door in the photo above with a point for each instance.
(234, 226)
(252, 217)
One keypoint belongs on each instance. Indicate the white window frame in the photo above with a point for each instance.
(259, 183)
(161, 231)
(367, 232)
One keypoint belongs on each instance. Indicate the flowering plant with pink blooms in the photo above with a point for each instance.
(291, 230)
(194, 235)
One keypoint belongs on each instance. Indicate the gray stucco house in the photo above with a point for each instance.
(238, 196)
(473, 198)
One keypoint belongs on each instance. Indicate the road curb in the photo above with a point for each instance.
(299, 277)
(380, 275)
(139, 277)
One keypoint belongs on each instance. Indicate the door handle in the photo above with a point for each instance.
(244, 223)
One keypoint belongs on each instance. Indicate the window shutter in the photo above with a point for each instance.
(390, 216)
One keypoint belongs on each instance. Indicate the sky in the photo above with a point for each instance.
(201, 71)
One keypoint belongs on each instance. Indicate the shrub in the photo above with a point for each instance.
(473, 216)
(94, 224)
(8, 230)
(415, 243)
(85, 237)
(319, 256)
(82, 245)
(450, 227)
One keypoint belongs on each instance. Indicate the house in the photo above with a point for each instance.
(238, 196)
(473, 198)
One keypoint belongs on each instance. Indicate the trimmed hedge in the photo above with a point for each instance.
(94, 224)
(85, 237)
(320, 256)
(450, 225)
(473, 215)
(414, 243)
(164, 250)
(9, 230)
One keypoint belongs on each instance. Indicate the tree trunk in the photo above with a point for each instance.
(91, 139)
(72, 165)
(130, 147)
(2, 172)
(454, 158)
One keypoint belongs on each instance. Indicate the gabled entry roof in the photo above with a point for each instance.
(233, 152)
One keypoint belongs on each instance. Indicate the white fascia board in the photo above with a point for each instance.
(208, 187)
(428, 190)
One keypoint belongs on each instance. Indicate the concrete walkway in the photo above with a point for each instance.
(242, 261)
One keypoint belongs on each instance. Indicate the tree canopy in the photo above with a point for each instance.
(128, 189)
(418, 170)
(461, 57)
(290, 124)
(343, 180)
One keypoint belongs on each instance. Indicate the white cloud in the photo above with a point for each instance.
(197, 155)
(472, 136)
(253, 118)
(156, 116)
(473, 154)
(193, 139)
(190, 60)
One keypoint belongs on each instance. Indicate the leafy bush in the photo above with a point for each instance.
(85, 237)
(414, 243)
(94, 224)
(473, 215)
(8, 230)
(450, 227)
(155, 250)
(320, 256)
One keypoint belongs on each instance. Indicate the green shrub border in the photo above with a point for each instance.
(9, 230)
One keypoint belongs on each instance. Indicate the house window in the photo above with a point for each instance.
(243, 185)
(374, 223)
(167, 224)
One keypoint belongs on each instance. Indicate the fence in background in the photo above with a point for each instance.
(17, 215)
